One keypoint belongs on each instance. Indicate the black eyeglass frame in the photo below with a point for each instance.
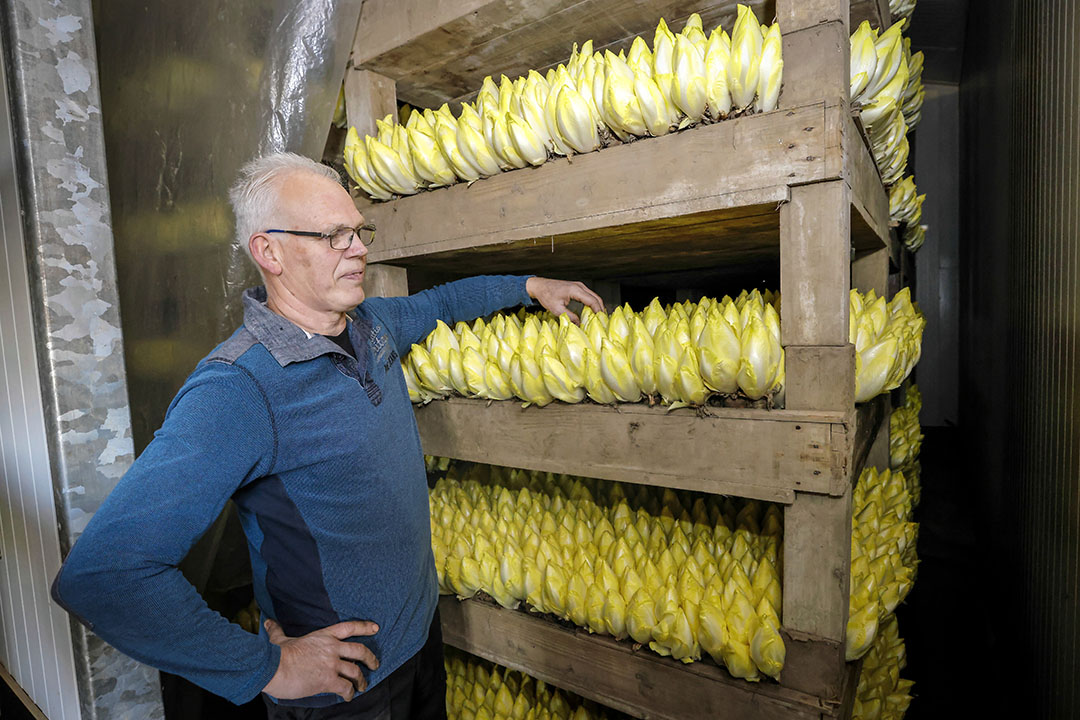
(329, 237)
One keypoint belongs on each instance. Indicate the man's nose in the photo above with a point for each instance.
(357, 249)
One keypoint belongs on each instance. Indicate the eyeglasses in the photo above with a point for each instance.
(340, 239)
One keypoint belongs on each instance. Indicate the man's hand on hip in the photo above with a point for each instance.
(555, 294)
(321, 661)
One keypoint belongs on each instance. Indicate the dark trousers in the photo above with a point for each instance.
(415, 691)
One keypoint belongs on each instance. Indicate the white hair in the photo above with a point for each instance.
(254, 195)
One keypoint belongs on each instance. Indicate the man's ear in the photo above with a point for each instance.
(267, 253)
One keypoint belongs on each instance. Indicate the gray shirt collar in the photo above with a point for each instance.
(286, 341)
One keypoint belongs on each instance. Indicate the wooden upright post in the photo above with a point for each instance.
(386, 281)
(815, 232)
(370, 96)
(817, 50)
(815, 279)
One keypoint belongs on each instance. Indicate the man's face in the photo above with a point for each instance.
(319, 277)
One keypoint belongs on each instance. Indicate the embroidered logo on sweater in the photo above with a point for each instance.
(378, 341)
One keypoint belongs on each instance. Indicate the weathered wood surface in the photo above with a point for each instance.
(879, 453)
(385, 281)
(870, 271)
(815, 666)
(822, 72)
(740, 235)
(796, 15)
(368, 96)
(819, 376)
(876, 11)
(440, 50)
(766, 454)
(868, 195)
(732, 164)
(640, 683)
(815, 252)
(871, 418)
(817, 565)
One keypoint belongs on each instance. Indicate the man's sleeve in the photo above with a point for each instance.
(121, 577)
(410, 319)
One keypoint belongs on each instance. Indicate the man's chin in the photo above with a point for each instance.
(356, 297)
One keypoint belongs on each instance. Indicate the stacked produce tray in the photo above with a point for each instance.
(797, 186)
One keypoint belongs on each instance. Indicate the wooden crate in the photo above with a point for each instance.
(798, 185)
(656, 205)
(639, 682)
(765, 454)
(439, 51)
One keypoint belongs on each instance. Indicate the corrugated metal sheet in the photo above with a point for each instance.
(937, 172)
(36, 639)
(1021, 98)
(1046, 144)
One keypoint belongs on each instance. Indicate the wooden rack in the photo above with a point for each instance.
(797, 185)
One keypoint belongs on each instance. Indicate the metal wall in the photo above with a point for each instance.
(937, 173)
(192, 89)
(65, 423)
(1020, 101)
(35, 642)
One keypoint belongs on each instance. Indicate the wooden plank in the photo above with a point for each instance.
(819, 376)
(815, 665)
(875, 11)
(719, 238)
(368, 96)
(870, 271)
(847, 706)
(817, 565)
(739, 162)
(640, 683)
(32, 710)
(814, 256)
(794, 15)
(385, 281)
(868, 195)
(878, 452)
(766, 454)
(819, 65)
(870, 417)
(610, 292)
(385, 25)
(440, 51)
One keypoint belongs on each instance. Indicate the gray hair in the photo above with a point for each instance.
(254, 195)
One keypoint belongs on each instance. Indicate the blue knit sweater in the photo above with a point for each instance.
(322, 456)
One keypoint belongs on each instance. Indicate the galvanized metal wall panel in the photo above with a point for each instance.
(37, 647)
(67, 264)
(1021, 104)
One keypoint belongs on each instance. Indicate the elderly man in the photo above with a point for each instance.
(302, 417)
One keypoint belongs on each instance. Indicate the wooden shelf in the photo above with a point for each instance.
(640, 683)
(706, 196)
(440, 52)
(796, 188)
(765, 454)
